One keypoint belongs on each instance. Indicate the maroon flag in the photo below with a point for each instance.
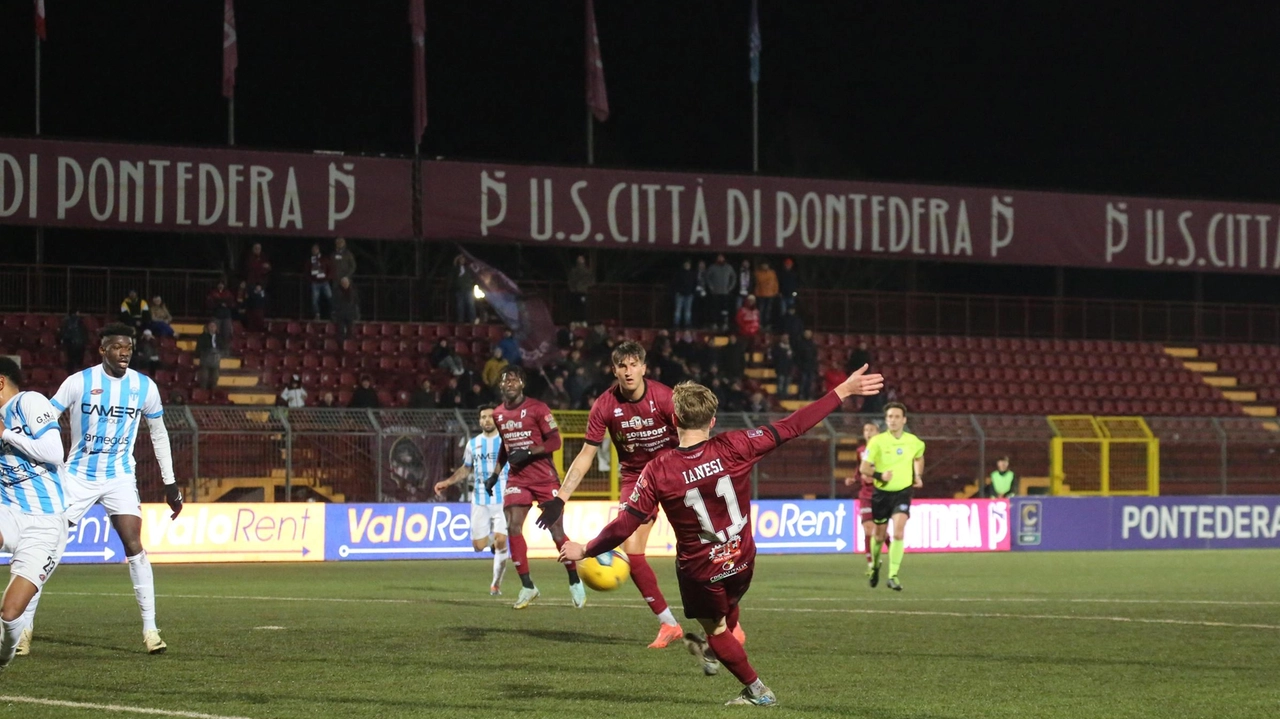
(230, 55)
(597, 98)
(418, 25)
(40, 28)
(528, 317)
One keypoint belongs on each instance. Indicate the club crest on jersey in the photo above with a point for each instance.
(899, 450)
(522, 414)
(551, 422)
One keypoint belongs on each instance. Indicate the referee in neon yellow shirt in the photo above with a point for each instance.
(895, 461)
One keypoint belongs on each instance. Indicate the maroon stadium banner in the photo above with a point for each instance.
(183, 189)
(580, 207)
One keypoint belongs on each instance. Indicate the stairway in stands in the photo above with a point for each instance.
(1228, 383)
(242, 386)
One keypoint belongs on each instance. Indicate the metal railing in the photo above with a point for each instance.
(95, 290)
(277, 454)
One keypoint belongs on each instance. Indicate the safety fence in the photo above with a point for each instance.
(397, 455)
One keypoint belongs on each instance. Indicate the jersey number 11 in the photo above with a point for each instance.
(724, 490)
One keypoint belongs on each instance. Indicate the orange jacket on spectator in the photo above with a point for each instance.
(766, 283)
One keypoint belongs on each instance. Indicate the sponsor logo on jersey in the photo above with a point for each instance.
(617, 411)
(95, 392)
(512, 424)
(512, 490)
(46, 417)
(551, 422)
(637, 423)
(899, 450)
(756, 433)
(110, 412)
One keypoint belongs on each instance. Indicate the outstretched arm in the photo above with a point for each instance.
(609, 538)
(581, 465)
(458, 475)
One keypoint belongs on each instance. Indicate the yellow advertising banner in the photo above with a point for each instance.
(216, 532)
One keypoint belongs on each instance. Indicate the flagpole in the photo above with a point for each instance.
(755, 127)
(38, 44)
(591, 139)
(231, 120)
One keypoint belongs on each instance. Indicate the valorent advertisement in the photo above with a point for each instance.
(954, 525)
(291, 532)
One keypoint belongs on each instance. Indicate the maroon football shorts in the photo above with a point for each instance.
(712, 600)
(525, 495)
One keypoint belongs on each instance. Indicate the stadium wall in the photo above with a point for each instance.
(313, 532)
(1096, 523)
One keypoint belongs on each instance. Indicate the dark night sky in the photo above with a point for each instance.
(1132, 98)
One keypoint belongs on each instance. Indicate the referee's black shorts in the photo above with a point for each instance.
(886, 504)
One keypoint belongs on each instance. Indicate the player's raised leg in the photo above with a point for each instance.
(647, 583)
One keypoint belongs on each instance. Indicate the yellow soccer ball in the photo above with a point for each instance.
(606, 572)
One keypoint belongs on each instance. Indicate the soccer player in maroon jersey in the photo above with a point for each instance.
(866, 488)
(640, 419)
(704, 486)
(529, 437)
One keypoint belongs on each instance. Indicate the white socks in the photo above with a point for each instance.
(144, 589)
(9, 643)
(666, 617)
(500, 565)
(29, 616)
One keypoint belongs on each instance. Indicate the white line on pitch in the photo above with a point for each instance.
(1029, 600)
(113, 708)
(339, 600)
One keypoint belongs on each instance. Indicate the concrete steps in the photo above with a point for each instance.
(1226, 384)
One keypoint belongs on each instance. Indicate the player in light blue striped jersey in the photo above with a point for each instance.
(33, 524)
(106, 404)
(488, 523)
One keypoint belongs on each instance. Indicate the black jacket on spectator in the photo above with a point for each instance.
(806, 354)
(788, 283)
(793, 326)
(733, 360)
(423, 399)
(365, 398)
(685, 282)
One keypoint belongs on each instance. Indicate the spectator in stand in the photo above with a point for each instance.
(343, 261)
(464, 287)
(220, 303)
(161, 318)
(744, 283)
(146, 354)
(757, 404)
(557, 396)
(175, 399)
(242, 301)
(257, 269)
(576, 385)
(328, 401)
(346, 307)
(453, 364)
(510, 348)
(294, 396)
(684, 286)
(722, 284)
(493, 367)
(766, 294)
(475, 396)
(788, 287)
(210, 348)
(700, 310)
(451, 397)
(833, 377)
(582, 277)
(365, 396)
(792, 325)
(73, 335)
(733, 359)
(735, 398)
(439, 352)
(255, 314)
(858, 357)
(425, 396)
(748, 320)
(783, 356)
(319, 270)
(806, 354)
(135, 312)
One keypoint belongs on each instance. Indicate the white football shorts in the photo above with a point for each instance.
(117, 496)
(36, 542)
(487, 519)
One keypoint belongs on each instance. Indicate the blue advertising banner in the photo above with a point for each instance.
(1091, 523)
(816, 526)
(92, 541)
(397, 531)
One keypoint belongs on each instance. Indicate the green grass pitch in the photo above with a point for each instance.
(1114, 635)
